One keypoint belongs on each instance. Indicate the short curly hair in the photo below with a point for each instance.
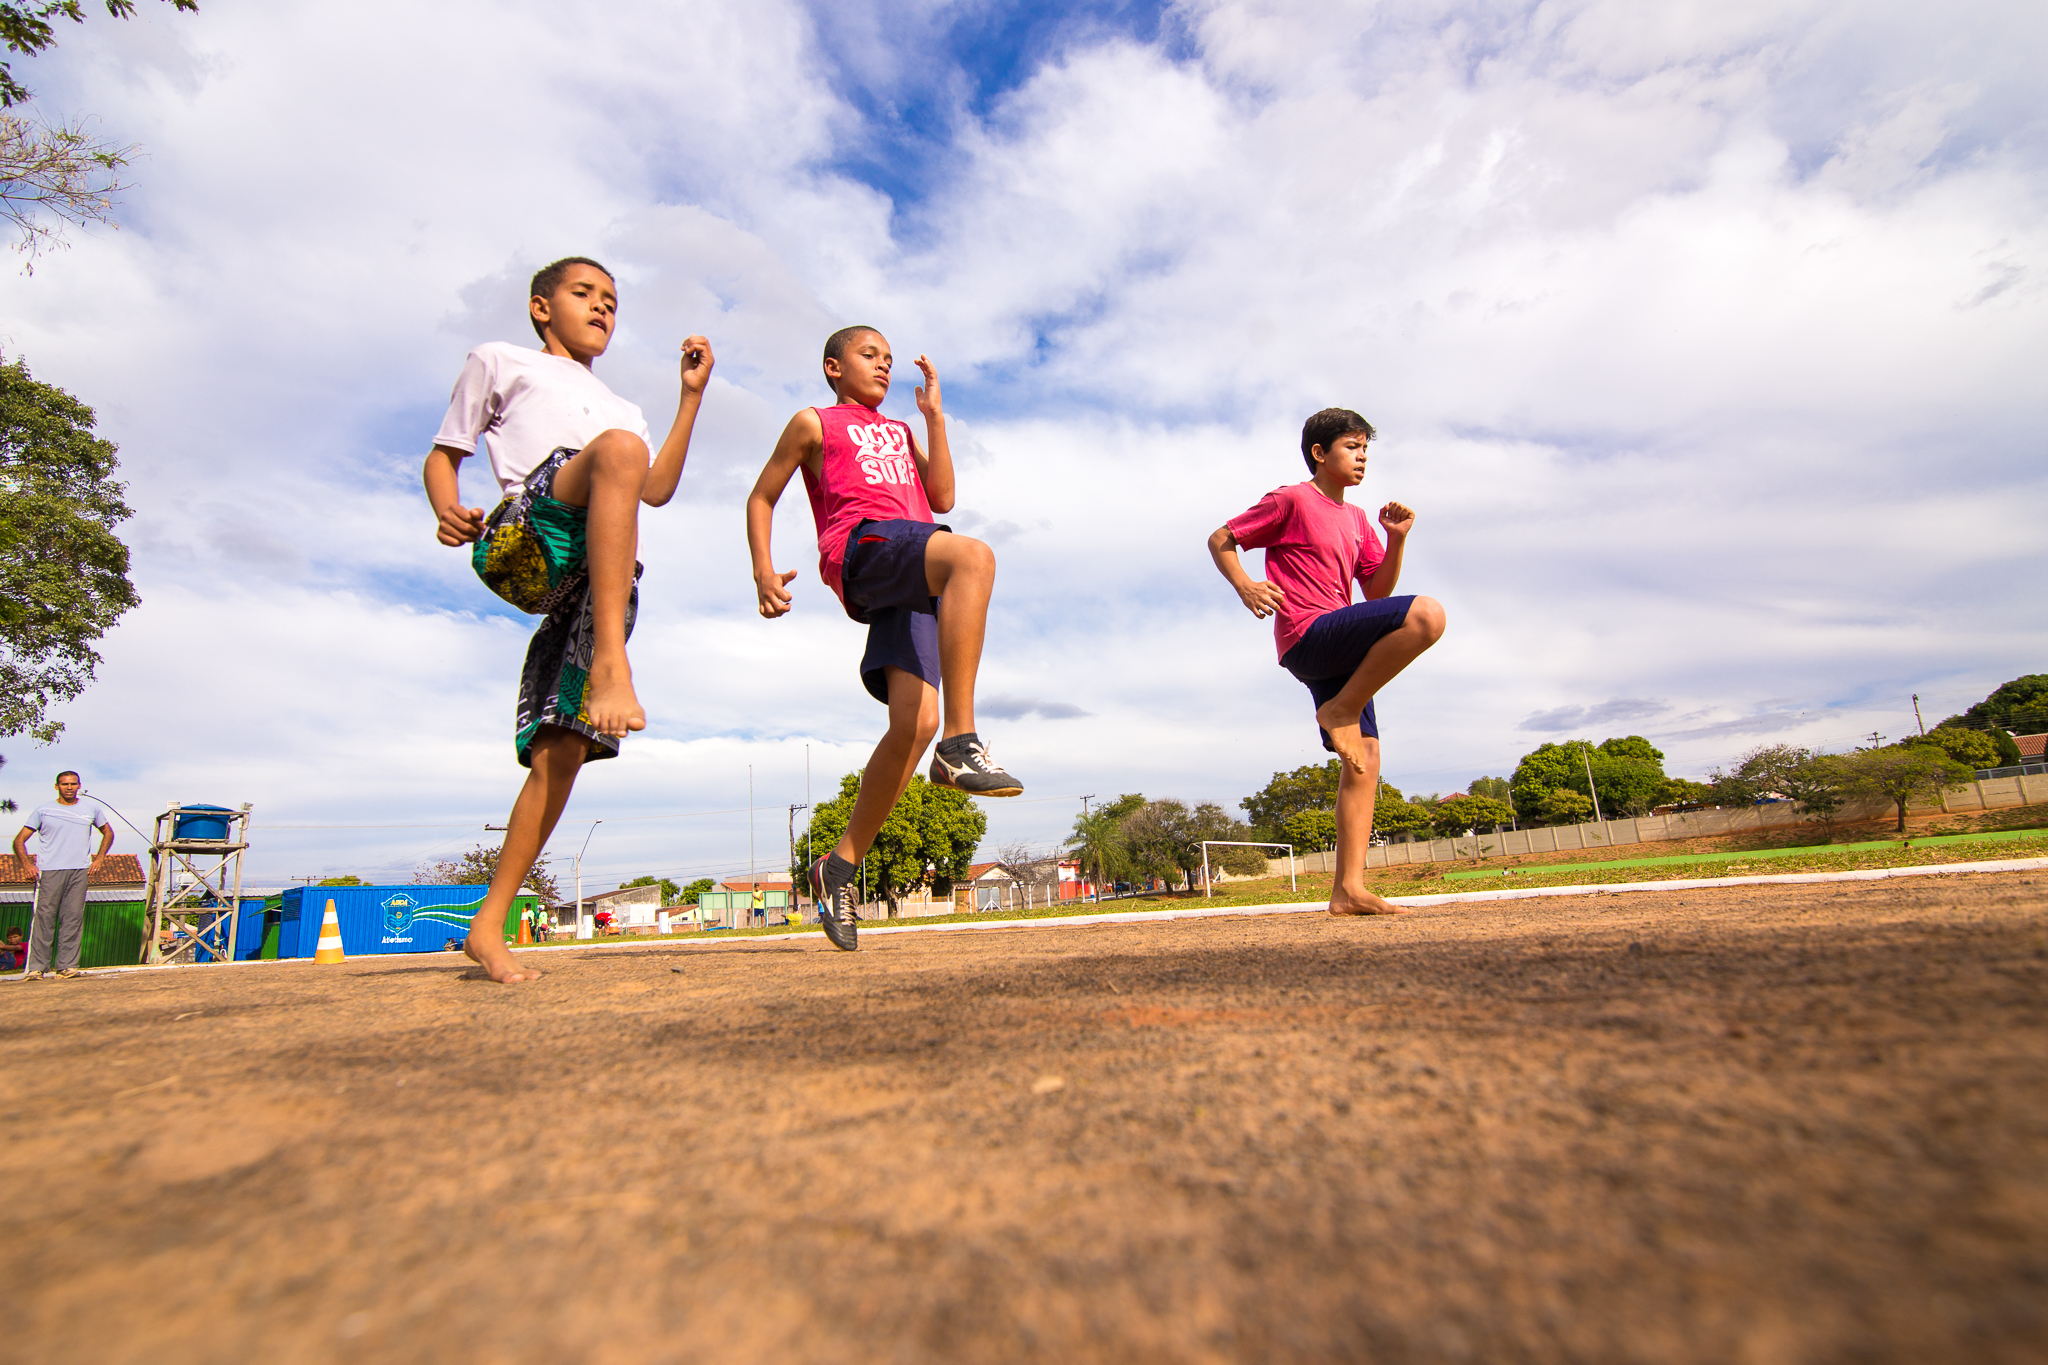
(836, 344)
(548, 279)
(1325, 427)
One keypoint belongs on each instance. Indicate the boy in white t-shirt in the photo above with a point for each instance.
(571, 461)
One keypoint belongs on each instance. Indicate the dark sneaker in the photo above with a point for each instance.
(963, 764)
(835, 909)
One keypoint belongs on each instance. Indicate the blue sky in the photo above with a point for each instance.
(1704, 338)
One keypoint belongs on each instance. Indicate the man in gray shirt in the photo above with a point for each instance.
(62, 862)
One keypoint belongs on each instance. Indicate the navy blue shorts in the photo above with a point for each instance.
(1334, 647)
(884, 585)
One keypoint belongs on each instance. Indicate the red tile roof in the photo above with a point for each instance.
(2031, 746)
(116, 869)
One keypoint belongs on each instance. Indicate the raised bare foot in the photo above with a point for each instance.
(1342, 727)
(488, 952)
(610, 702)
(1362, 903)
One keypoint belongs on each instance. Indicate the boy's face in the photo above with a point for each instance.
(581, 314)
(1344, 459)
(863, 376)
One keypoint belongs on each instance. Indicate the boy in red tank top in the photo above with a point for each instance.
(1317, 545)
(921, 590)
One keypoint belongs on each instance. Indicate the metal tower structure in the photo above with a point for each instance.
(208, 901)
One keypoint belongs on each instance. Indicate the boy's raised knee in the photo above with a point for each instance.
(619, 449)
(1428, 613)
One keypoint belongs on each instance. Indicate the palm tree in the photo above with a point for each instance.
(1098, 843)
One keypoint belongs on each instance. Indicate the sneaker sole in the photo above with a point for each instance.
(938, 777)
(828, 921)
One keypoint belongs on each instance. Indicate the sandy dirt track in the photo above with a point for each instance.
(1775, 1124)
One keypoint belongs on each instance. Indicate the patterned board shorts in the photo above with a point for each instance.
(533, 554)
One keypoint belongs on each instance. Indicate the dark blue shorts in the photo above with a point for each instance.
(1334, 647)
(884, 585)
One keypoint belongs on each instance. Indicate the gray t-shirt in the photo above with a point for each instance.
(67, 837)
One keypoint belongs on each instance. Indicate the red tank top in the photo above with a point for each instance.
(867, 473)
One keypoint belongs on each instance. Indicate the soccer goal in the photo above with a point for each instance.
(1208, 889)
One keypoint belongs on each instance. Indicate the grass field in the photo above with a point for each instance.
(1756, 1124)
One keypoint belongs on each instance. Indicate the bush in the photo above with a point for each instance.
(1972, 748)
(1562, 806)
(1463, 814)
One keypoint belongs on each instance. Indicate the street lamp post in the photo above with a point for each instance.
(583, 926)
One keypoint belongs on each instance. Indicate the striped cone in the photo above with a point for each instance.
(330, 939)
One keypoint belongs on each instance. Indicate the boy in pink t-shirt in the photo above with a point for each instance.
(921, 590)
(1316, 544)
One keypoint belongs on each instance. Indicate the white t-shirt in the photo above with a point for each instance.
(66, 833)
(525, 404)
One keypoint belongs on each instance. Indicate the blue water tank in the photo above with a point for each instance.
(194, 823)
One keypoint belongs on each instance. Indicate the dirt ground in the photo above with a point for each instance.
(1770, 1124)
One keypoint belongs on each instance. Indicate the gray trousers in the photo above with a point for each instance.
(59, 921)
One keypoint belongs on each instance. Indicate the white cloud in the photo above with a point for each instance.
(1702, 337)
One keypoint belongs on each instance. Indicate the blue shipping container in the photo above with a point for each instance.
(377, 919)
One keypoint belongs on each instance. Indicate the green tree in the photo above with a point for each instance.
(1398, 817)
(63, 573)
(689, 894)
(671, 894)
(1499, 788)
(1815, 789)
(1629, 772)
(1562, 806)
(341, 881)
(1311, 787)
(1681, 791)
(1972, 748)
(480, 864)
(25, 28)
(1761, 773)
(928, 839)
(1899, 773)
(1098, 842)
(1310, 831)
(1463, 814)
(2020, 706)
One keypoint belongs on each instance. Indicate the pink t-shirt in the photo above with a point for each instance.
(866, 473)
(1314, 549)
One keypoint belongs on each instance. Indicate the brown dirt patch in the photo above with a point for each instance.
(1746, 1125)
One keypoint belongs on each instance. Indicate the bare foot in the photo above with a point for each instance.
(1362, 903)
(610, 703)
(1345, 735)
(488, 952)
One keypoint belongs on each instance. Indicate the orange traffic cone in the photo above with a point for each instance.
(330, 939)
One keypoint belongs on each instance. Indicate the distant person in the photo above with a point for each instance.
(61, 865)
(921, 590)
(13, 949)
(571, 462)
(1345, 652)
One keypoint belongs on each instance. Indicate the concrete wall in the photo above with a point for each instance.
(1995, 794)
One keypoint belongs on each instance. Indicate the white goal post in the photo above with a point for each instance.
(1207, 844)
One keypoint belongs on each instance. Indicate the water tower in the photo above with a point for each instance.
(204, 846)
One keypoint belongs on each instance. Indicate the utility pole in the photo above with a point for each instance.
(753, 877)
(1916, 714)
(794, 807)
(1084, 818)
(1876, 739)
(1587, 754)
(583, 929)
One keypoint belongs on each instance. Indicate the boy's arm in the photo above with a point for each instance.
(667, 470)
(459, 525)
(935, 462)
(803, 439)
(1396, 520)
(1263, 599)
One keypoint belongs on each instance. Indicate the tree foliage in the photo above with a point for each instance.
(341, 881)
(929, 839)
(480, 864)
(1462, 814)
(1628, 771)
(1098, 842)
(2020, 706)
(1899, 773)
(1761, 773)
(1164, 837)
(63, 573)
(1310, 787)
(1562, 806)
(1972, 748)
(689, 894)
(1683, 791)
(25, 28)
(671, 894)
(1499, 788)
(1310, 831)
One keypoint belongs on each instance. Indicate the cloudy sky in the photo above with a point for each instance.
(1706, 339)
